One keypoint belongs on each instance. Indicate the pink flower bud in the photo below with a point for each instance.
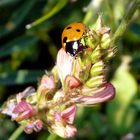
(38, 125)
(31, 126)
(106, 94)
(68, 114)
(62, 125)
(47, 82)
(24, 111)
(72, 82)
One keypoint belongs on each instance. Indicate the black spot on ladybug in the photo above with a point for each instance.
(65, 39)
(68, 27)
(78, 30)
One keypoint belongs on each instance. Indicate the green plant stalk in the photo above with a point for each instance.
(55, 9)
(17, 132)
(133, 6)
(52, 137)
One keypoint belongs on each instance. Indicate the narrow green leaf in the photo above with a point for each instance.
(7, 2)
(20, 77)
(17, 17)
(55, 9)
(17, 44)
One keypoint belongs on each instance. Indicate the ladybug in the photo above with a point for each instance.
(71, 37)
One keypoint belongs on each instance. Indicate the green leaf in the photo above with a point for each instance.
(136, 28)
(17, 17)
(60, 4)
(136, 104)
(98, 123)
(136, 62)
(20, 77)
(17, 44)
(8, 2)
(120, 113)
(136, 127)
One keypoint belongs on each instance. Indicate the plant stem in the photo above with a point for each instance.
(55, 9)
(52, 137)
(132, 7)
(16, 133)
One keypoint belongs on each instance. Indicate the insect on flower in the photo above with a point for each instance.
(71, 37)
(80, 69)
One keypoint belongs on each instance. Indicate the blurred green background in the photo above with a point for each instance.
(26, 53)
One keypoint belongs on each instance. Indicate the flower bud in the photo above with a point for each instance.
(95, 81)
(107, 93)
(105, 41)
(17, 107)
(61, 122)
(24, 110)
(71, 82)
(97, 69)
(98, 23)
(36, 125)
(91, 39)
(96, 55)
(109, 54)
(45, 90)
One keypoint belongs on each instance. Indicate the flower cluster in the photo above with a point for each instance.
(73, 81)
